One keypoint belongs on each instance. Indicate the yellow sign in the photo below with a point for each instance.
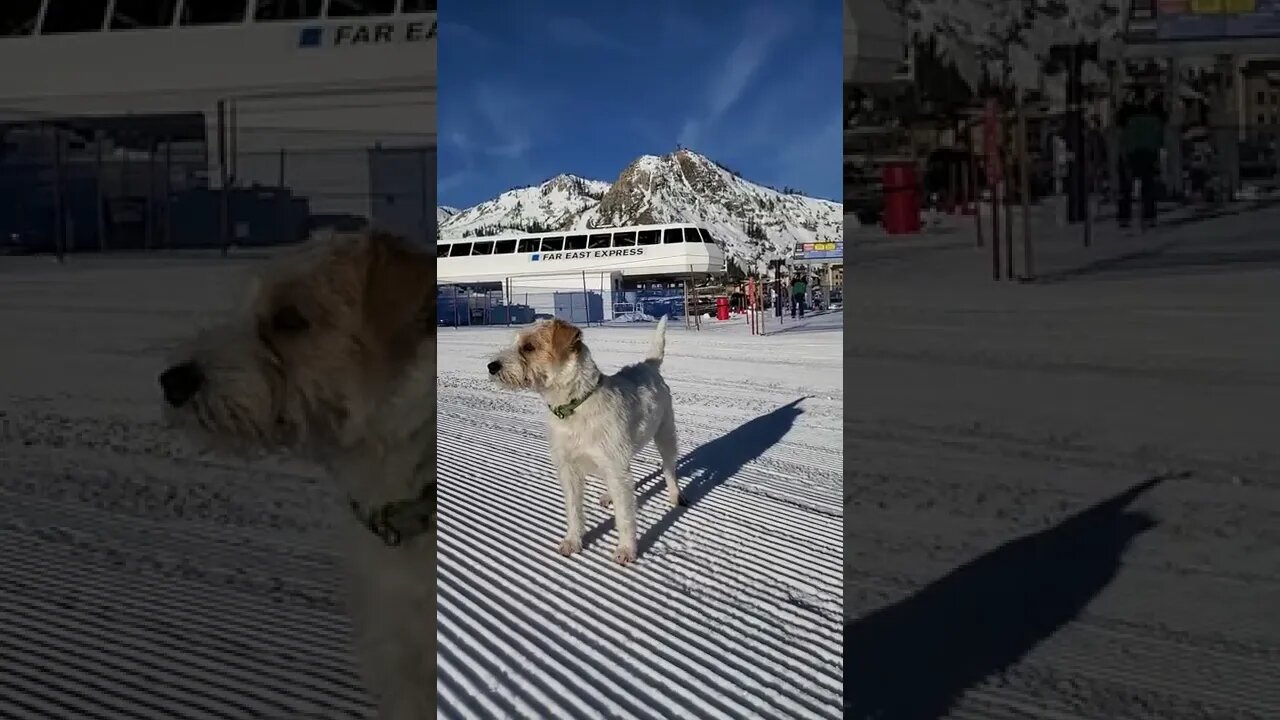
(1219, 7)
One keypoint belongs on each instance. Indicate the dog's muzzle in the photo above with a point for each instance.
(495, 367)
(180, 383)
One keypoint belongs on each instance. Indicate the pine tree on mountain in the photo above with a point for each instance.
(1004, 44)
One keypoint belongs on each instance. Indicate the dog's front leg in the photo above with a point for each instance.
(572, 482)
(395, 624)
(624, 512)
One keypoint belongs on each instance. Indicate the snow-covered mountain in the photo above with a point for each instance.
(444, 212)
(555, 204)
(755, 222)
(984, 39)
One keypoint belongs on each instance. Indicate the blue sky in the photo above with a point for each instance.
(528, 90)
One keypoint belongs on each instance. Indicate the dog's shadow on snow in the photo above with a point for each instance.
(708, 466)
(913, 659)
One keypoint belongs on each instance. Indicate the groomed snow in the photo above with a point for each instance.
(733, 608)
(989, 425)
(142, 581)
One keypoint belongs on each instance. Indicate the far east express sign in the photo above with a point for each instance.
(373, 33)
(1217, 19)
(585, 254)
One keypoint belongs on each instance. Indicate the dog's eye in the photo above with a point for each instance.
(289, 320)
(527, 347)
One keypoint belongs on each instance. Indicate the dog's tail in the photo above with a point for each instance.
(658, 345)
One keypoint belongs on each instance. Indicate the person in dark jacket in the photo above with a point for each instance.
(1141, 122)
(798, 289)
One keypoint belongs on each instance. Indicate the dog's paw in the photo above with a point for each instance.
(569, 546)
(606, 500)
(624, 554)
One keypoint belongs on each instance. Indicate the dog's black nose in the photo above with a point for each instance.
(494, 367)
(180, 382)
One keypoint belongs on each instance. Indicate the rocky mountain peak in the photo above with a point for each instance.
(756, 223)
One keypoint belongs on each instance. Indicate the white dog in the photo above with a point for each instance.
(334, 359)
(597, 423)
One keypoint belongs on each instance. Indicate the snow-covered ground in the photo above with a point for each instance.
(733, 608)
(984, 421)
(140, 581)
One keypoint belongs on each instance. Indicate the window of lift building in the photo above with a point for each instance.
(268, 10)
(213, 12)
(19, 17)
(72, 16)
(360, 8)
(131, 14)
(419, 6)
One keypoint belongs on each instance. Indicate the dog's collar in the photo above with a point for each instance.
(565, 410)
(399, 520)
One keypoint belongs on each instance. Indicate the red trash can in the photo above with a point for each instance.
(722, 308)
(901, 197)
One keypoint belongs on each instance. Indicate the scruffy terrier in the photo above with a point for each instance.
(597, 423)
(333, 359)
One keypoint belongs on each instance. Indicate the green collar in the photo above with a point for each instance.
(399, 520)
(565, 410)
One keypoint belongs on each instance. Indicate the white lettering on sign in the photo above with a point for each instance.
(382, 33)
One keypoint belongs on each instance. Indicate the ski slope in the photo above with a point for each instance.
(733, 608)
(140, 581)
(1064, 497)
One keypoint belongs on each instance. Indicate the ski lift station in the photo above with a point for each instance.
(171, 123)
(586, 275)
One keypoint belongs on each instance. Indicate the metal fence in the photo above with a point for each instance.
(71, 187)
(516, 301)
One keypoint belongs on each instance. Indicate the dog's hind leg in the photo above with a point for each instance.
(665, 441)
(572, 482)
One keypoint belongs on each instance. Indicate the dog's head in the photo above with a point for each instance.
(328, 333)
(541, 357)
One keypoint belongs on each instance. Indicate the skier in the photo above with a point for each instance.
(1141, 124)
(798, 289)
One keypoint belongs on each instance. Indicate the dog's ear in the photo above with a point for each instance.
(566, 339)
(399, 294)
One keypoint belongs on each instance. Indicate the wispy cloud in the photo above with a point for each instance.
(458, 145)
(507, 115)
(726, 87)
(454, 32)
(815, 159)
(490, 130)
(496, 121)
